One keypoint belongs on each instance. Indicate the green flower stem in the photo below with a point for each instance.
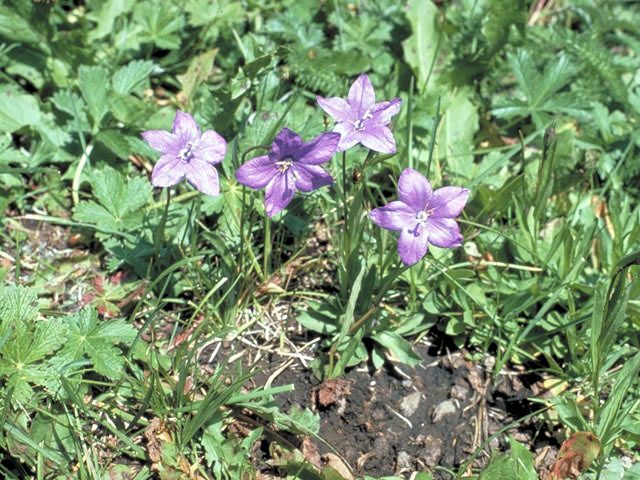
(386, 285)
(158, 240)
(347, 236)
(267, 246)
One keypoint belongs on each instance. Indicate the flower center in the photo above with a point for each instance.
(421, 218)
(284, 164)
(186, 154)
(358, 125)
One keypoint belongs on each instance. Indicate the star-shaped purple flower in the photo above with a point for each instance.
(362, 120)
(187, 153)
(422, 216)
(290, 165)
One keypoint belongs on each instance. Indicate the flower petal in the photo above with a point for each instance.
(211, 148)
(257, 172)
(203, 176)
(279, 193)
(185, 127)
(378, 138)
(395, 216)
(168, 171)
(361, 96)
(310, 177)
(163, 141)
(318, 150)
(383, 111)
(414, 189)
(348, 136)
(286, 144)
(448, 201)
(337, 108)
(443, 232)
(413, 244)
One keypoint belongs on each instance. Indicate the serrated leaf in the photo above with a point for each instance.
(17, 109)
(89, 336)
(128, 78)
(160, 25)
(93, 83)
(91, 212)
(109, 11)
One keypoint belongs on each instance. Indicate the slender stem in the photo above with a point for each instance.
(267, 245)
(243, 238)
(434, 130)
(159, 233)
(347, 240)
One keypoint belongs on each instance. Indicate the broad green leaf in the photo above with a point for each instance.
(422, 46)
(518, 465)
(398, 346)
(455, 135)
(88, 336)
(93, 83)
(15, 28)
(126, 79)
(109, 11)
(17, 109)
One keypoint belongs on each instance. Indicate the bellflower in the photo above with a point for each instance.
(422, 216)
(362, 120)
(290, 165)
(186, 153)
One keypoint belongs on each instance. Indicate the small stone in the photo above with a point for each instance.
(403, 462)
(432, 451)
(445, 408)
(458, 392)
(410, 403)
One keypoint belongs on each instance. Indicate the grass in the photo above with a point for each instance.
(112, 290)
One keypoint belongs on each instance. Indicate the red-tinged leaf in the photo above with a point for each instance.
(575, 456)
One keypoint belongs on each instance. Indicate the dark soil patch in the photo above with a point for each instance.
(401, 419)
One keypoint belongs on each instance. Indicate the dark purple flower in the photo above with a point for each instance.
(291, 165)
(187, 153)
(362, 120)
(422, 216)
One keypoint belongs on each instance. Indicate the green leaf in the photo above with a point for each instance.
(89, 337)
(17, 109)
(455, 136)
(518, 465)
(128, 78)
(15, 28)
(398, 346)
(199, 70)
(93, 83)
(421, 48)
(109, 11)
(160, 25)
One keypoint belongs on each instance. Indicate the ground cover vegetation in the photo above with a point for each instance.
(341, 181)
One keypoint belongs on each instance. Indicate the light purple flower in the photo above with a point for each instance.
(187, 153)
(362, 120)
(291, 165)
(422, 216)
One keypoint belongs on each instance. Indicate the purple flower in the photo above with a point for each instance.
(291, 165)
(362, 120)
(422, 216)
(187, 153)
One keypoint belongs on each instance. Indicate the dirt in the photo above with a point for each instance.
(400, 419)
(393, 421)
